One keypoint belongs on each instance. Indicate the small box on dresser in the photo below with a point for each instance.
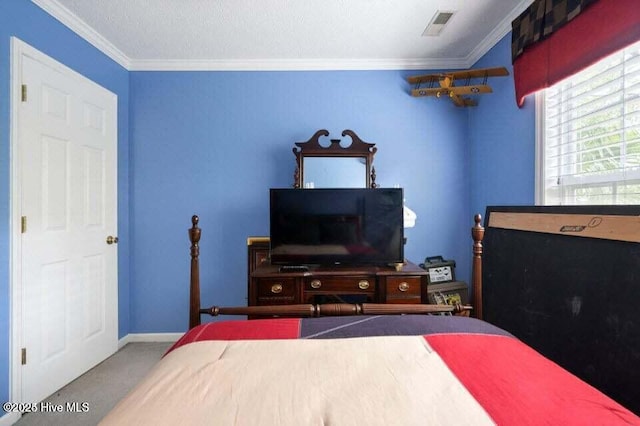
(442, 287)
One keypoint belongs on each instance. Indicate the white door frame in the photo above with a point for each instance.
(15, 244)
(19, 49)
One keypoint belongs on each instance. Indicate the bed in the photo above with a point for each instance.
(362, 364)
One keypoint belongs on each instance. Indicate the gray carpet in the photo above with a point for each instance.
(101, 387)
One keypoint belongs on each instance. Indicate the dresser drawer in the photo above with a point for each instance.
(276, 291)
(403, 290)
(340, 284)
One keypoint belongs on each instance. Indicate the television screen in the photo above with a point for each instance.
(336, 226)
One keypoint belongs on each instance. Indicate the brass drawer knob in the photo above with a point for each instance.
(363, 285)
(316, 284)
(276, 288)
(403, 286)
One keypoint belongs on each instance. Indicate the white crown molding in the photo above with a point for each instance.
(501, 30)
(77, 25)
(293, 65)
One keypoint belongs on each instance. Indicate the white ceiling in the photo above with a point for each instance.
(286, 34)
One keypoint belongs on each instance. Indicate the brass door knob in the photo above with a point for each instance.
(112, 240)
(316, 284)
(276, 288)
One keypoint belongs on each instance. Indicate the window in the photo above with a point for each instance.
(589, 135)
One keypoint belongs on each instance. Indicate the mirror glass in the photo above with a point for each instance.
(335, 172)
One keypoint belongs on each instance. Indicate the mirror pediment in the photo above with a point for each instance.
(334, 166)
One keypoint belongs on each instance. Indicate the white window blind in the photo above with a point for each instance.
(590, 135)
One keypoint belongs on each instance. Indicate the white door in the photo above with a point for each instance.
(66, 143)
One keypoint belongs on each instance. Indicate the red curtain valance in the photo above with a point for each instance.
(601, 29)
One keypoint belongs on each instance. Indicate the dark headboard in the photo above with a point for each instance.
(561, 280)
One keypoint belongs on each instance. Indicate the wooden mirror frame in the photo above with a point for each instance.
(312, 148)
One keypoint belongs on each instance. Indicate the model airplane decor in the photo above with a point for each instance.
(456, 84)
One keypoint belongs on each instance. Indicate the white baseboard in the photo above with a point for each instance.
(9, 419)
(148, 337)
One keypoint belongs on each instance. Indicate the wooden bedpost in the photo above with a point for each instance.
(477, 233)
(194, 296)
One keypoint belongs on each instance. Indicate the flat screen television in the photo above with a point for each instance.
(333, 226)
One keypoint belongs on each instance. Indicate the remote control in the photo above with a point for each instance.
(294, 268)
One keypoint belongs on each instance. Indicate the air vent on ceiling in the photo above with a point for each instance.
(438, 22)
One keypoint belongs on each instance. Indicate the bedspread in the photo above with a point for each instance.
(387, 370)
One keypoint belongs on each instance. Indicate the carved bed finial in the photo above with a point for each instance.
(194, 287)
(477, 233)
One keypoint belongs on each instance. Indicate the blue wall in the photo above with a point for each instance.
(21, 18)
(213, 143)
(501, 140)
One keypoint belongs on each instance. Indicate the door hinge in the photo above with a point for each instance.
(23, 356)
(23, 224)
(24, 93)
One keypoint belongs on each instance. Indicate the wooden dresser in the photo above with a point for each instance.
(363, 284)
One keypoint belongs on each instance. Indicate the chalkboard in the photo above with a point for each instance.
(572, 298)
